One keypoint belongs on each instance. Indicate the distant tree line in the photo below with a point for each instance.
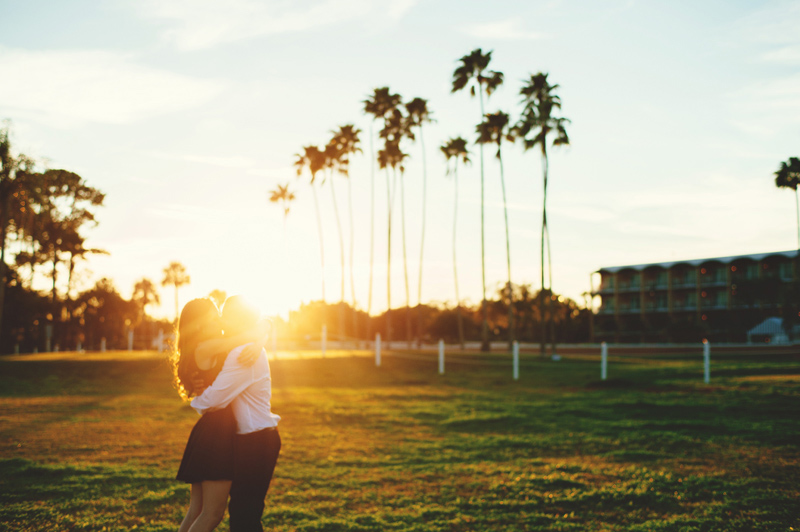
(571, 322)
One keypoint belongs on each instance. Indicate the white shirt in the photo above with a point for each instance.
(247, 389)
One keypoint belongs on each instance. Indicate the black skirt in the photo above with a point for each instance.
(209, 451)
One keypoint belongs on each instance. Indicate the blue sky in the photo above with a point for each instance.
(187, 113)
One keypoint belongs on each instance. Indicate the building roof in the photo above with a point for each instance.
(697, 262)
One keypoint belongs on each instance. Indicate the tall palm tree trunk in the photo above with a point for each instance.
(342, 334)
(543, 304)
(508, 256)
(484, 309)
(389, 262)
(321, 251)
(371, 229)
(352, 240)
(553, 302)
(797, 212)
(422, 238)
(405, 257)
(54, 276)
(455, 263)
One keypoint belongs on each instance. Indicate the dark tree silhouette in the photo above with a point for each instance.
(418, 115)
(473, 72)
(144, 294)
(494, 129)
(379, 105)
(314, 159)
(456, 149)
(347, 142)
(535, 125)
(175, 275)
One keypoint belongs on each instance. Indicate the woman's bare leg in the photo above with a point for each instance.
(195, 507)
(215, 499)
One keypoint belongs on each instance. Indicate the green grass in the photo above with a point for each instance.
(94, 445)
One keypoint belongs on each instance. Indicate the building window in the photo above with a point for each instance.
(721, 299)
(785, 271)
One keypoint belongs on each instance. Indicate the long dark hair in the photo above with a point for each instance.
(199, 321)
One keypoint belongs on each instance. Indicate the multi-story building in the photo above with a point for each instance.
(684, 301)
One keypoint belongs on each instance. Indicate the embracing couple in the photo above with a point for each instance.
(221, 364)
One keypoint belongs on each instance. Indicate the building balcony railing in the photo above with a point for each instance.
(629, 287)
(713, 283)
(684, 284)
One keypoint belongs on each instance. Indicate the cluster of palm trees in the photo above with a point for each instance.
(329, 162)
(400, 123)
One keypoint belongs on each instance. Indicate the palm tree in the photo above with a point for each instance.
(788, 176)
(145, 293)
(397, 126)
(534, 126)
(348, 143)
(391, 156)
(419, 114)
(281, 194)
(332, 160)
(473, 68)
(175, 274)
(494, 129)
(380, 104)
(456, 149)
(314, 159)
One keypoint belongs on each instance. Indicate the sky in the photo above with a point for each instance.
(187, 113)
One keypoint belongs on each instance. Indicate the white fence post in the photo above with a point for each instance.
(16, 349)
(79, 348)
(603, 361)
(706, 361)
(102, 345)
(161, 340)
(130, 340)
(516, 360)
(378, 350)
(441, 357)
(324, 339)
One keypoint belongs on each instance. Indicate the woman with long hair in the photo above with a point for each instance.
(207, 462)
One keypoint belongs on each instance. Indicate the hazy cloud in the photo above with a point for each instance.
(234, 162)
(769, 102)
(74, 86)
(787, 55)
(198, 24)
(509, 30)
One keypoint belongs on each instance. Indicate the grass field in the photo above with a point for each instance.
(94, 445)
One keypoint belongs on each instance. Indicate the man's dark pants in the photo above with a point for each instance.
(255, 456)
